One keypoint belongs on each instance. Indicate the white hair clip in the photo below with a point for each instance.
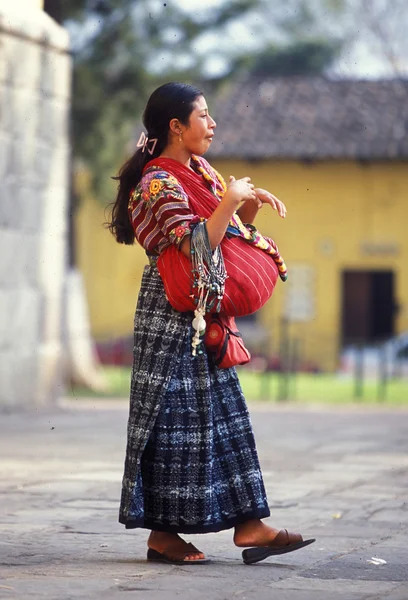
(144, 143)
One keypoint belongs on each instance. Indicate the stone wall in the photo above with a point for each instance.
(34, 164)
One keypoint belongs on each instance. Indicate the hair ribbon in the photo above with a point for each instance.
(144, 142)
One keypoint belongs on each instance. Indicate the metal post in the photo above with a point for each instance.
(284, 354)
(294, 366)
(359, 373)
(382, 373)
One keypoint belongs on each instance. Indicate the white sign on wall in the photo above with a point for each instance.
(300, 296)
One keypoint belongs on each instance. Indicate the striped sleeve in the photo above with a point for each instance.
(168, 203)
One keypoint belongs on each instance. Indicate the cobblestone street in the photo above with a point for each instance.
(337, 474)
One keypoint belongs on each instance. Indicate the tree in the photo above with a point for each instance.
(291, 37)
(375, 31)
(122, 50)
(125, 48)
(298, 58)
(368, 37)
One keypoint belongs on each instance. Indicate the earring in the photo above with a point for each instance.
(180, 136)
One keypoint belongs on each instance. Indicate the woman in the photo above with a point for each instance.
(191, 463)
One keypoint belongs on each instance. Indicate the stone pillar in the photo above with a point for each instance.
(34, 166)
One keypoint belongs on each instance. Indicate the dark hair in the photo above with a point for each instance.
(169, 101)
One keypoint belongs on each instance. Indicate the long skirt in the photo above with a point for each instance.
(191, 463)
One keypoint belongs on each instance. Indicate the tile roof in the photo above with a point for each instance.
(311, 118)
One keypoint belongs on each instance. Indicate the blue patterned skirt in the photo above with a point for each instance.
(191, 464)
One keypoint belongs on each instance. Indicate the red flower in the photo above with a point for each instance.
(180, 231)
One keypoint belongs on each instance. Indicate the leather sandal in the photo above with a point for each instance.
(173, 555)
(284, 542)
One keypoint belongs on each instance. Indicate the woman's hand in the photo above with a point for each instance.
(255, 200)
(241, 190)
(266, 197)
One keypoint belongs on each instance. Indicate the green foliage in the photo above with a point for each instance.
(324, 388)
(109, 90)
(123, 49)
(300, 58)
(118, 48)
(303, 388)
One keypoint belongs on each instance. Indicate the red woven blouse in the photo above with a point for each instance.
(159, 210)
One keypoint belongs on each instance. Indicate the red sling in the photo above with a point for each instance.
(252, 273)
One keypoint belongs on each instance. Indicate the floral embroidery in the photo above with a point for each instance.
(155, 186)
(132, 198)
(158, 185)
(177, 235)
(180, 231)
(173, 180)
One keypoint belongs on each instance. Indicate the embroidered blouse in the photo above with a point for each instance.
(161, 215)
(159, 210)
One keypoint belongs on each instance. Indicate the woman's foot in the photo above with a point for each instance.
(172, 543)
(255, 533)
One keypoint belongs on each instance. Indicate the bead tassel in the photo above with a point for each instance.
(209, 276)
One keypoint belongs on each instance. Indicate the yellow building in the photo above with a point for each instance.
(337, 154)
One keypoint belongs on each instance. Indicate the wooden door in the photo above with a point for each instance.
(368, 306)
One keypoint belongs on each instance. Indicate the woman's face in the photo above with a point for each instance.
(198, 134)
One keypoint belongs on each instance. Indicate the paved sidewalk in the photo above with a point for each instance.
(340, 475)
